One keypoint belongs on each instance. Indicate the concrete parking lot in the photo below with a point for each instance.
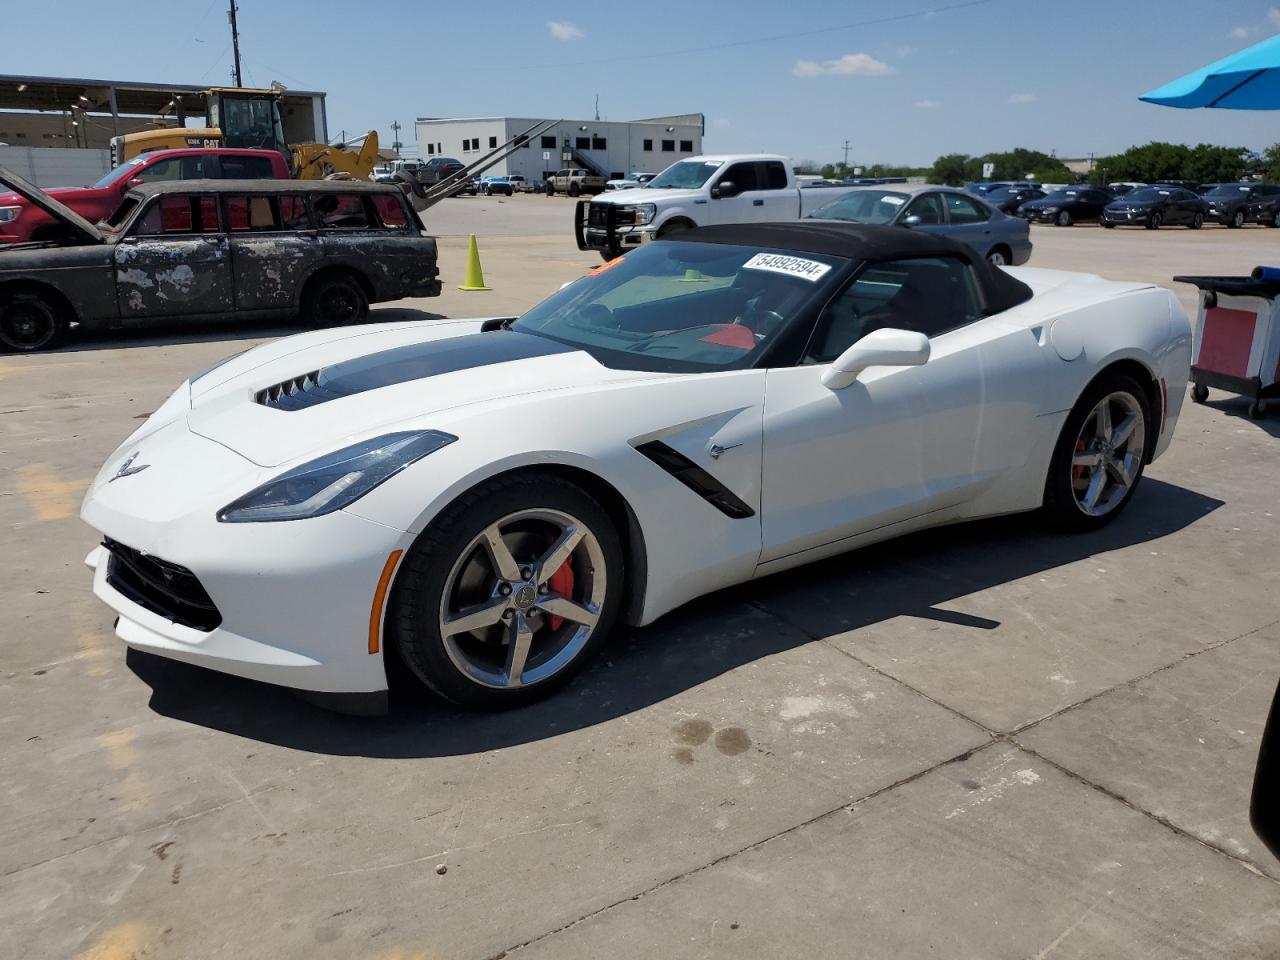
(987, 741)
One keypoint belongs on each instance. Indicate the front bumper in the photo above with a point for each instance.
(1135, 218)
(293, 599)
(1219, 215)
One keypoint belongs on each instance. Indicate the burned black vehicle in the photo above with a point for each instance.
(210, 249)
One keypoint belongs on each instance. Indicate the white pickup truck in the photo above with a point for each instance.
(697, 192)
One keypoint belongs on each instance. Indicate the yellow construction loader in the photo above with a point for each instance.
(243, 117)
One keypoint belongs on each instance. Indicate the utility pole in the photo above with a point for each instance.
(597, 106)
(235, 41)
(395, 129)
(846, 154)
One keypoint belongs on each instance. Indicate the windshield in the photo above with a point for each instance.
(679, 306)
(1229, 190)
(114, 176)
(685, 175)
(863, 206)
(1146, 193)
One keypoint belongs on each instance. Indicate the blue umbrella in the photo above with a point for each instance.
(1247, 80)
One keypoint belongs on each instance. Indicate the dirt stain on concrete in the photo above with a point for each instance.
(682, 755)
(732, 741)
(693, 732)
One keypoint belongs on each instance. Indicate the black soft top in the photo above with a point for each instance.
(861, 241)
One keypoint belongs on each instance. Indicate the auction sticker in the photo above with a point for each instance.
(811, 270)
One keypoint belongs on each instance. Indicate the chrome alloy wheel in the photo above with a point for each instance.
(1108, 454)
(523, 598)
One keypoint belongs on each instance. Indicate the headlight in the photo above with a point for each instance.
(1049, 210)
(334, 481)
(9, 214)
(644, 213)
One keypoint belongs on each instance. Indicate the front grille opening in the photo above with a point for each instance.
(164, 588)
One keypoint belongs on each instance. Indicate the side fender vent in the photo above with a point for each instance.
(696, 479)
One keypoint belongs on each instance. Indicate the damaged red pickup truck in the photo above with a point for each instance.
(21, 221)
(215, 249)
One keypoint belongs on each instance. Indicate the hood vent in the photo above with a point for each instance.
(416, 361)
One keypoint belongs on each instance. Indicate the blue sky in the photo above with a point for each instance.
(1056, 76)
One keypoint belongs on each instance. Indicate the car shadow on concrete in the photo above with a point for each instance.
(912, 576)
(211, 331)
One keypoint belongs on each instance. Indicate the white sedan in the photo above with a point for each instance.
(486, 499)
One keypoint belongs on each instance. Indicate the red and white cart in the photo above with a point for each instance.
(1237, 338)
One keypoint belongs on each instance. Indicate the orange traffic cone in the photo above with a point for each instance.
(475, 276)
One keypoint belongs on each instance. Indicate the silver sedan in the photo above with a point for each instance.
(1000, 238)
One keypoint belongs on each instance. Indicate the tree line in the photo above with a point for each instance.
(1203, 163)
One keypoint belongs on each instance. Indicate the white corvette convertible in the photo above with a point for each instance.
(485, 499)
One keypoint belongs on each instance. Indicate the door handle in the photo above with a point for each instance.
(757, 203)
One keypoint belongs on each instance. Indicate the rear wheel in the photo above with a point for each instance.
(334, 300)
(31, 321)
(998, 256)
(1063, 219)
(1237, 219)
(1199, 393)
(1197, 221)
(509, 593)
(1275, 220)
(1100, 455)
(574, 190)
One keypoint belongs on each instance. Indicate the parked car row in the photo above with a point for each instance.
(1165, 203)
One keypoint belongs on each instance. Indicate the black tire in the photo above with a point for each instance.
(1275, 220)
(1154, 221)
(1061, 509)
(334, 300)
(574, 190)
(1257, 409)
(673, 227)
(999, 256)
(413, 617)
(1197, 221)
(1237, 220)
(31, 321)
(1108, 226)
(1063, 219)
(551, 191)
(1199, 393)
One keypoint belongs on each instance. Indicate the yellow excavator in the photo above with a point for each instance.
(244, 117)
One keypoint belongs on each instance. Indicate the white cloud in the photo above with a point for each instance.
(1274, 16)
(928, 104)
(1020, 98)
(859, 64)
(1240, 33)
(903, 51)
(721, 123)
(564, 30)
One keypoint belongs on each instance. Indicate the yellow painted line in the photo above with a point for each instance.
(95, 650)
(133, 791)
(8, 368)
(125, 942)
(49, 497)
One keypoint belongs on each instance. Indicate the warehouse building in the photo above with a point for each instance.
(610, 148)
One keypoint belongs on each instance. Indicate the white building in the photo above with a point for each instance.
(611, 148)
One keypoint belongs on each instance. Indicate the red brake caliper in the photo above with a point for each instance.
(1078, 472)
(561, 582)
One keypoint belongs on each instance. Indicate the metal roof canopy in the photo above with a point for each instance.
(113, 97)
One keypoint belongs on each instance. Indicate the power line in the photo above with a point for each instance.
(871, 22)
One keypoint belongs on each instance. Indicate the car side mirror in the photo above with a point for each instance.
(134, 182)
(724, 189)
(912, 221)
(885, 347)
